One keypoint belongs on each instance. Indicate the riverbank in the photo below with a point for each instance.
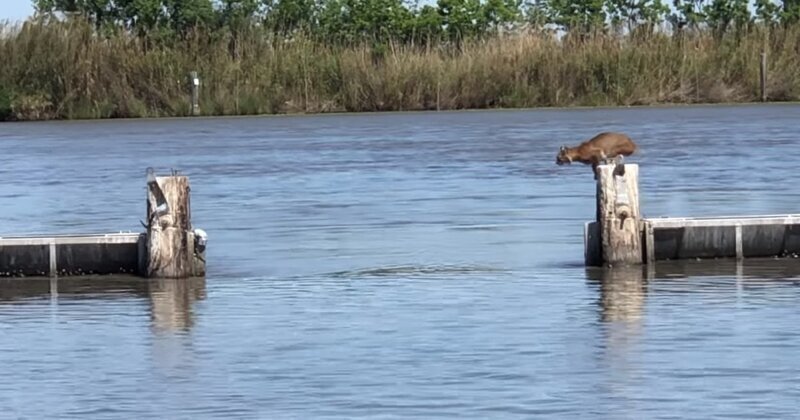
(57, 71)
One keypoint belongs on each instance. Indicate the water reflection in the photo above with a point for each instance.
(748, 270)
(621, 301)
(622, 292)
(88, 287)
(171, 301)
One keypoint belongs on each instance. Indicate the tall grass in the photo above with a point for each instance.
(64, 70)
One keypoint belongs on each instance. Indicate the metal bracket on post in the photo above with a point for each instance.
(621, 186)
(162, 207)
(622, 202)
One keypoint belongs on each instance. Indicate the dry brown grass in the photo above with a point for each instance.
(66, 71)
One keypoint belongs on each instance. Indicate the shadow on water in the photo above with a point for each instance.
(414, 270)
(171, 301)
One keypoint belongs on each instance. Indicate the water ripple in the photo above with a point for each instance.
(402, 265)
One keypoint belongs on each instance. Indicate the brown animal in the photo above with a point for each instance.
(602, 148)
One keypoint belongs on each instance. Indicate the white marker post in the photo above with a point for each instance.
(195, 93)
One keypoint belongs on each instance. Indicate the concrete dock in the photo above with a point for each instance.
(647, 240)
(169, 248)
(675, 238)
(112, 253)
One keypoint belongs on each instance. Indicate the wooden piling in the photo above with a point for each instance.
(618, 214)
(763, 76)
(170, 248)
(170, 242)
(195, 83)
(620, 236)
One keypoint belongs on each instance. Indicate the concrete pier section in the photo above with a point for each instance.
(169, 248)
(113, 253)
(620, 236)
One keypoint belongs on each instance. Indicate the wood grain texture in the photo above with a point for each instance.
(169, 246)
(619, 215)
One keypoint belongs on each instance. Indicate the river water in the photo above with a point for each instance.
(401, 265)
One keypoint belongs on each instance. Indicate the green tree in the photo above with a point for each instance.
(142, 16)
(185, 15)
(581, 16)
(536, 14)
(462, 19)
(238, 14)
(289, 16)
(99, 12)
(688, 14)
(427, 25)
(791, 11)
(501, 13)
(366, 20)
(721, 15)
(767, 12)
(634, 13)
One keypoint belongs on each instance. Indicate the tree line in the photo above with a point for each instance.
(349, 21)
(132, 58)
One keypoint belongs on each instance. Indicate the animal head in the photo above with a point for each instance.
(563, 156)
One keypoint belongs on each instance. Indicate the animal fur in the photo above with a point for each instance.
(605, 147)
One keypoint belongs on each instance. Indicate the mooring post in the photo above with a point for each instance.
(618, 214)
(170, 241)
(195, 82)
(763, 76)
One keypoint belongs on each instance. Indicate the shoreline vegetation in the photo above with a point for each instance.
(87, 65)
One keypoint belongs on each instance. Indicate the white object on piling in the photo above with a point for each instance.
(201, 239)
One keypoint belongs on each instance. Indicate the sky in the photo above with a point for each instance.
(15, 9)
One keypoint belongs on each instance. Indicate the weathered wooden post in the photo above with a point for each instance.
(618, 217)
(763, 76)
(170, 244)
(195, 82)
